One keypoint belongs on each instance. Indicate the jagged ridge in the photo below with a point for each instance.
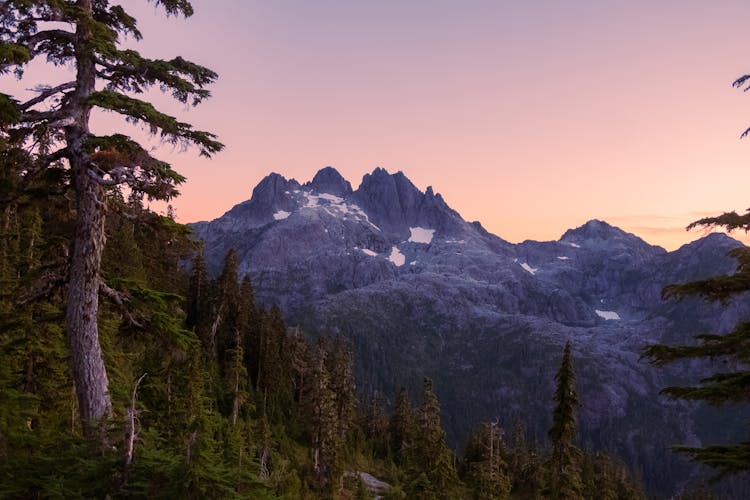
(420, 291)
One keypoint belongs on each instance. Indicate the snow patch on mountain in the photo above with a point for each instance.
(369, 252)
(562, 257)
(421, 235)
(335, 206)
(281, 215)
(397, 257)
(331, 197)
(608, 315)
(528, 268)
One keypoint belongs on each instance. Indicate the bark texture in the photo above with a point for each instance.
(87, 363)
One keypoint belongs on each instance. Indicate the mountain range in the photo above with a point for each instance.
(418, 291)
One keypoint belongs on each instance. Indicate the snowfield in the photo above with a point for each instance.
(421, 235)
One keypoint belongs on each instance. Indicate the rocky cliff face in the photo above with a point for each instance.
(420, 292)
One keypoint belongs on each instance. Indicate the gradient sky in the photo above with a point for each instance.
(530, 116)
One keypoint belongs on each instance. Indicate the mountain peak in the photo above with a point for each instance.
(713, 242)
(329, 180)
(600, 234)
(271, 187)
(594, 229)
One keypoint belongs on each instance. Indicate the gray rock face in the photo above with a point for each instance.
(328, 180)
(418, 291)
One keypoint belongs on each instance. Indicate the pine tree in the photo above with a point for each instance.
(485, 469)
(733, 348)
(319, 403)
(341, 368)
(402, 429)
(198, 308)
(608, 479)
(525, 466)
(57, 122)
(432, 464)
(376, 427)
(565, 480)
(274, 368)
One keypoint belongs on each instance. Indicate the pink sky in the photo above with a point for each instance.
(532, 117)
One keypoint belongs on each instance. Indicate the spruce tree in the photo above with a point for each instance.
(432, 466)
(485, 470)
(319, 403)
(525, 466)
(198, 308)
(341, 367)
(86, 36)
(565, 480)
(402, 429)
(733, 348)
(375, 424)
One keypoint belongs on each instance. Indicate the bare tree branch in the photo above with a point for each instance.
(46, 94)
(131, 424)
(119, 299)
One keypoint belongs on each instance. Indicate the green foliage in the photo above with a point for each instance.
(484, 464)
(10, 114)
(564, 473)
(13, 54)
(234, 404)
(605, 478)
(119, 158)
(423, 454)
(170, 129)
(732, 348)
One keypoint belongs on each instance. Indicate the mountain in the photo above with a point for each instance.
(419, 291)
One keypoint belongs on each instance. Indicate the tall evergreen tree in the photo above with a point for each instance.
(733, 348)
(198, 308)
(341, 368)
(375, 424)
(524, 465)
(319, 403)
(565, 479)
(226, 312)
(57, 123)
(433, 472)
(485, 470)
(402, 428)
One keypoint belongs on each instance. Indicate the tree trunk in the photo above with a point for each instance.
(89, 373)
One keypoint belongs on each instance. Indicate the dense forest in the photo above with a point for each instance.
(214, 397)
(128, 372)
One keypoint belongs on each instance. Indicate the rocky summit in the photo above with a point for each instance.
(418, 291)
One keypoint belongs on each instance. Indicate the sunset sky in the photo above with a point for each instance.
(532, 117)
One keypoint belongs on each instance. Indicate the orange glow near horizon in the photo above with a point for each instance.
(531, 117)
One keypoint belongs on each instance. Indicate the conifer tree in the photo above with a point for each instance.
(604, 477)
(524, 465)
(56, 122)
(376, 427)
(273, 380)
(402, 428)
(320, 415)
(733, 348)
(723, 388)
(198, 308)
(226, 312)
(485, 468)
(341, 369)
(565, 480)
(433, 461)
